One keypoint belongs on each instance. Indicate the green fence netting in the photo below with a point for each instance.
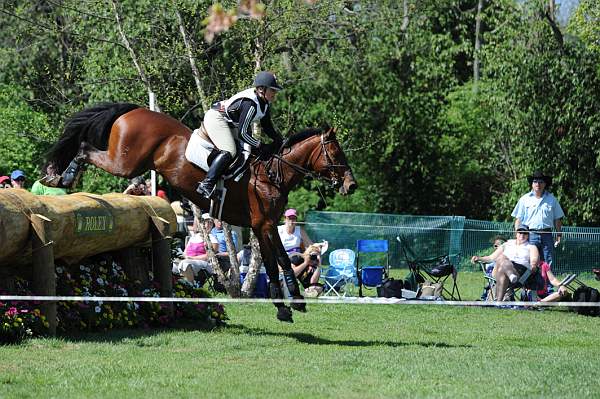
(432, 236)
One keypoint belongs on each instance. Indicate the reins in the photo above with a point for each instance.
(277, 176)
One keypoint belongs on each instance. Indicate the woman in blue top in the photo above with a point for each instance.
(233, 118)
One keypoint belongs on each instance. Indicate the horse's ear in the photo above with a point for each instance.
(331, 132)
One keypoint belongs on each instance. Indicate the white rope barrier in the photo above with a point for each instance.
(323, 300)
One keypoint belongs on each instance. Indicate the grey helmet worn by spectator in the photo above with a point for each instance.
(233, 118)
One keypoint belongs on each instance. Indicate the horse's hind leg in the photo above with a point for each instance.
(71, 175)
(103, 159)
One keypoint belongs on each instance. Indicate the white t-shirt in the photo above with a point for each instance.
(517, 253)
(291, 242)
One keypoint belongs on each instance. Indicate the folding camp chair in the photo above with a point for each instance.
(371, 276)
(436, 270)
(489, 285)
(339, 277)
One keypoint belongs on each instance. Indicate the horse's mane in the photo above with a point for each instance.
(302, 135)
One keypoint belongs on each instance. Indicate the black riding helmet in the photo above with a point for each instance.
(266, 79)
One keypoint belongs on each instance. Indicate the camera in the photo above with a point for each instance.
(314, 257)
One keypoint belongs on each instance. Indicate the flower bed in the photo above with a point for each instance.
(102, 276)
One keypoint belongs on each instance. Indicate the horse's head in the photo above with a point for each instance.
(331, 163)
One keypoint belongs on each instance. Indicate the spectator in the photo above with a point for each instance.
(540, 210)
(220, 234)
(516, 263)
(307, 268)
(17, 179)
(550, 280)
(162, 194)
(293, 237)
(137, 187)
(490, 268)
(196, 257)
(5, 182)
(39, 189)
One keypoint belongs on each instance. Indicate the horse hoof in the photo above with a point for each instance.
(285, 314)
(299, 306)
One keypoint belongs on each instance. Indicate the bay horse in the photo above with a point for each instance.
(126, 140)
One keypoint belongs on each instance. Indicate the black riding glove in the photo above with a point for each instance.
(266, 151)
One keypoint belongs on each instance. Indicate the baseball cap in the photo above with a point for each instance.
(523, 228)
(290, 212)
(4, 179)
(206, 216)
(17, 174)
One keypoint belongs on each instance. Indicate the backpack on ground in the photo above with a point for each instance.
(586, 294)
(390, 288)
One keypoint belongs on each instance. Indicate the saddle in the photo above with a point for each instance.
(201, 151)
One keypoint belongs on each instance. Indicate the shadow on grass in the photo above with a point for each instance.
(120, 335)
(307, 338)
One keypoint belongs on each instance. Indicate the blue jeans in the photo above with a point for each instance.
(545, 243)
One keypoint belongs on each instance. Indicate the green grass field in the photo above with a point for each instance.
(337, 351)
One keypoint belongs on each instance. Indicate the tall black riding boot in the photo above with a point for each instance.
(217, 168)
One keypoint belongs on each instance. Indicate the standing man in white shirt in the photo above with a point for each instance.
(540, 210)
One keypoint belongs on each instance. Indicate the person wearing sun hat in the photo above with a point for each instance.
(517, 262)
(5, 182)
(540, 210)
(293, 237)
(305, 256)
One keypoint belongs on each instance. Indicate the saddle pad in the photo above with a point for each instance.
(198, 150)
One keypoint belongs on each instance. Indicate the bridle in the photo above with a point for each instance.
(277, 175)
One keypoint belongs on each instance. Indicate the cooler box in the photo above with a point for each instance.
(261, 290)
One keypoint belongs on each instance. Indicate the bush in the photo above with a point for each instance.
(102, 276)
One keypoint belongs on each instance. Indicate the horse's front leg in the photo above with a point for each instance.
(289, 277)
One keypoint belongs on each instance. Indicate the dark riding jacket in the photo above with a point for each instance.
(242, 112)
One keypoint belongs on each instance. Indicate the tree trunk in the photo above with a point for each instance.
(234, 270)
(132, 53)
(254, 267)
(480, 5)
(188, 46)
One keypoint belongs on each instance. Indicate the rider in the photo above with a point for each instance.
(232, 118)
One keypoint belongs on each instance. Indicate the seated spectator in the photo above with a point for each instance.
(490, 268)
(5, 182)
(516, 263)
(550, 280)
(17, 179)
(137, 186)
(307, 269)
(39, 189)
(293, 237)
(196, 257)
(220, 234)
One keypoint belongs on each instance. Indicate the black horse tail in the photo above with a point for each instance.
(91, 125)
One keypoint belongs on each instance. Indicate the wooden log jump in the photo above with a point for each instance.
(37, 230)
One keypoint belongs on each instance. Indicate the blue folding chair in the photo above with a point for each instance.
(371, 276)
(340, 274)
